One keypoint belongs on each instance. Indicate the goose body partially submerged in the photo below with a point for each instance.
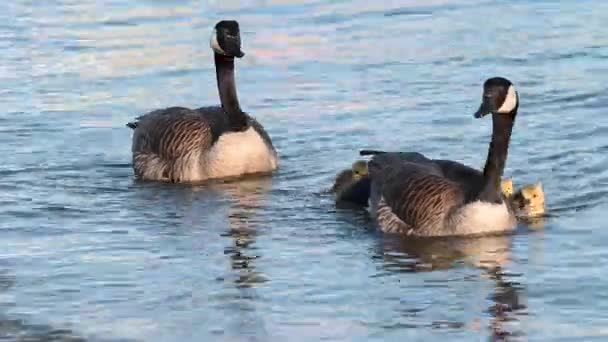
(178, 144)
(414, 195)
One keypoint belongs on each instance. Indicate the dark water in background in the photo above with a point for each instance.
(89, 253)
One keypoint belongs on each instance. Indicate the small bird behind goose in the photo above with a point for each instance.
(352, 185)
(183, 145)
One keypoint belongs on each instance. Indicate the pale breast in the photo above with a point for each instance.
(482, 218)
(239, 153)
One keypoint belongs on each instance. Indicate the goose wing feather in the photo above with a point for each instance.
(394, 160)
(416, 193)
(175, 131)
(470, 179)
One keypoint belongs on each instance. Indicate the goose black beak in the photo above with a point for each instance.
(239, 54)
(485, 108)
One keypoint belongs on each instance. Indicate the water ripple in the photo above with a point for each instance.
(91, 253)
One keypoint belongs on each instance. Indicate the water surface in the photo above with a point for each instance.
(88, 253)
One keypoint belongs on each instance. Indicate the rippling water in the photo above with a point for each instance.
(88, 253)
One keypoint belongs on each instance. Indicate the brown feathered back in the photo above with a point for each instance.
(416, 194)
(173, 132)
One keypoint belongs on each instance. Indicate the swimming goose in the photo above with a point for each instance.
(352, 185)
(414, 195)
(178, 144)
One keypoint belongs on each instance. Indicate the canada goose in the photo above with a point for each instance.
(178, 144)
(529, 201)
(414, 195)
(352, 185)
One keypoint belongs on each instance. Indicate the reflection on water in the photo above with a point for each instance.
(490, 254)
(535, 223)
(13, 329)
(509, 305)
(247, 197)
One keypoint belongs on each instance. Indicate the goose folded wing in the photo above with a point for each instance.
(173, 132)
(469, 179)
(383, 157)
(450, 169)
(415, 192)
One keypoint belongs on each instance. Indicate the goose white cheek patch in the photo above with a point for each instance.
(214, 44)
(510, 101)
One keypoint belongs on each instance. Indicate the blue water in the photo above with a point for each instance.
(88, 253)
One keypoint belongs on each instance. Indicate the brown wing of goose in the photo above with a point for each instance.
(414, 157)
(470, 179)
(416, 193)
(176, 131)
(455, 171)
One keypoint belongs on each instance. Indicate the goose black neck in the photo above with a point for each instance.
(224, 68)
(502, 126)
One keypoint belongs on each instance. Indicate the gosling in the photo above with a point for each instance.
(528, 201)
(352, 185)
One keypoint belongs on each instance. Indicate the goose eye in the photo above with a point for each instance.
(535, 195)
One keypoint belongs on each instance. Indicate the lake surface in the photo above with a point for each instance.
(90, 254)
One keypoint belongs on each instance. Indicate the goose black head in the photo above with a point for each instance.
(499, 97)
(226, 39)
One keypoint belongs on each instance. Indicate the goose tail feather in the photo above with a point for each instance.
(371, 152)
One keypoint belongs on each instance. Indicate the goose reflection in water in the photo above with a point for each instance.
(489, 254)
(534, 223)
(240, 294)
(242, 253)
(248, 197)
